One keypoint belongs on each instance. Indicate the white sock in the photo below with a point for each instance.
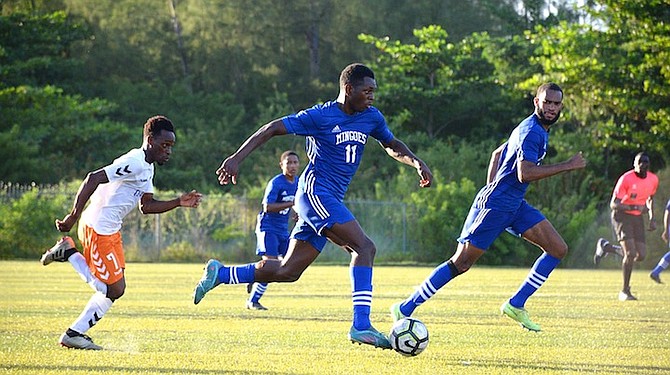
(95, 309)
(79, 263)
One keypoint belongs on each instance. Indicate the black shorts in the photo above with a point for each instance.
(628, 227)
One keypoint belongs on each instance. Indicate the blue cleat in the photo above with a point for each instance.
(369, 337)
(208, 281)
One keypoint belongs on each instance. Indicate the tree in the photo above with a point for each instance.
(617, 69)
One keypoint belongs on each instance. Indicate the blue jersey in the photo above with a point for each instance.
(334, 144)
(278, 190)
(528, 141)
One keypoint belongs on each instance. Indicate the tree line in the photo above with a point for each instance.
(78, 79)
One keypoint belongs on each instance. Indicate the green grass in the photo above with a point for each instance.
(156, 329)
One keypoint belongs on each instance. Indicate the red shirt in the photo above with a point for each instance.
(633, 190)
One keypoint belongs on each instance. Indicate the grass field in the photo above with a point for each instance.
(156, 329)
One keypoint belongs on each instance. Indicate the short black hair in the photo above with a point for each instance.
(641, 154)
(550, 86)
(288, 153)
(156, 124)
(355, 74)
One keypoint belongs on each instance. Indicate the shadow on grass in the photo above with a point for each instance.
(571, 368)
(37, 369)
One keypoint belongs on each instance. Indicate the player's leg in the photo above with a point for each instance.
(534, 228)
(274, 247)
(350, 236)
(300, 255)
(481, 228)
(632, 239)
(267, 245)
(104, 256)
(65, 251)
(662, 265)
(627, 263)
(466, 255)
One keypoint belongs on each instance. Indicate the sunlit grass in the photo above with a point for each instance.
(156, 329)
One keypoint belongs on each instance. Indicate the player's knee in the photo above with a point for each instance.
(116, 290)
(115, 294)
(457, 270)
(561, 251)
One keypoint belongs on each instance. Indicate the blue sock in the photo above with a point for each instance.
(440, 276)
(536, 277)
(662, 264)
(361, 295)
(237, 274)
(258, 291)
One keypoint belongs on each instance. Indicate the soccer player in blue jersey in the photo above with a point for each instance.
(664, 262)
(500, 205)
(272, 224)
(336, 134)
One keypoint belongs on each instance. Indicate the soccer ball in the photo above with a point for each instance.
(409, 337)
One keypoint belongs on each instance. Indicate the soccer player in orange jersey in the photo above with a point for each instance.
(633, 197)
(113, 191)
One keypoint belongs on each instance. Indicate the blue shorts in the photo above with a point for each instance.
(315, 213)
(484, 225)
(271, 244)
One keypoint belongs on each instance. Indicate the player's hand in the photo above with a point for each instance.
(190, 199)
(425, 174)
(66, 224)
(577, 161)
(227, 172)
(652, 225)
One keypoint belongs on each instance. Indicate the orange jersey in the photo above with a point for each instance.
(633, 190)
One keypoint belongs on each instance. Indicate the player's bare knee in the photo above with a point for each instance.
(115, 293)
(457, 268)
(560, 252)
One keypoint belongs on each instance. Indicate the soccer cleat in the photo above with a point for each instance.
(625, 295)
(255, 306)
(600, 251)
(656, 278)
(57, 252)
(369, 337)
(78, 342)
(396, 314)
(520, 315)
(210, 279)
(250, 287)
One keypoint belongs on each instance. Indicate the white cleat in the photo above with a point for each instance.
(57, 252)
(78, 342)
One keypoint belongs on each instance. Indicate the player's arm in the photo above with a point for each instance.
(528, 171)
(86, 189)
(228, 170)
(398, 150)
(494, 163)
(666, 219)
(650, 207)
(276, 207)
(149, 205)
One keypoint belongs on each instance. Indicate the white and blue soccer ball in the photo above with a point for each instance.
(409, 337)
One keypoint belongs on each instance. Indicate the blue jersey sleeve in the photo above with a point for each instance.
(306, 122)
(381, 132)
(532, 147)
